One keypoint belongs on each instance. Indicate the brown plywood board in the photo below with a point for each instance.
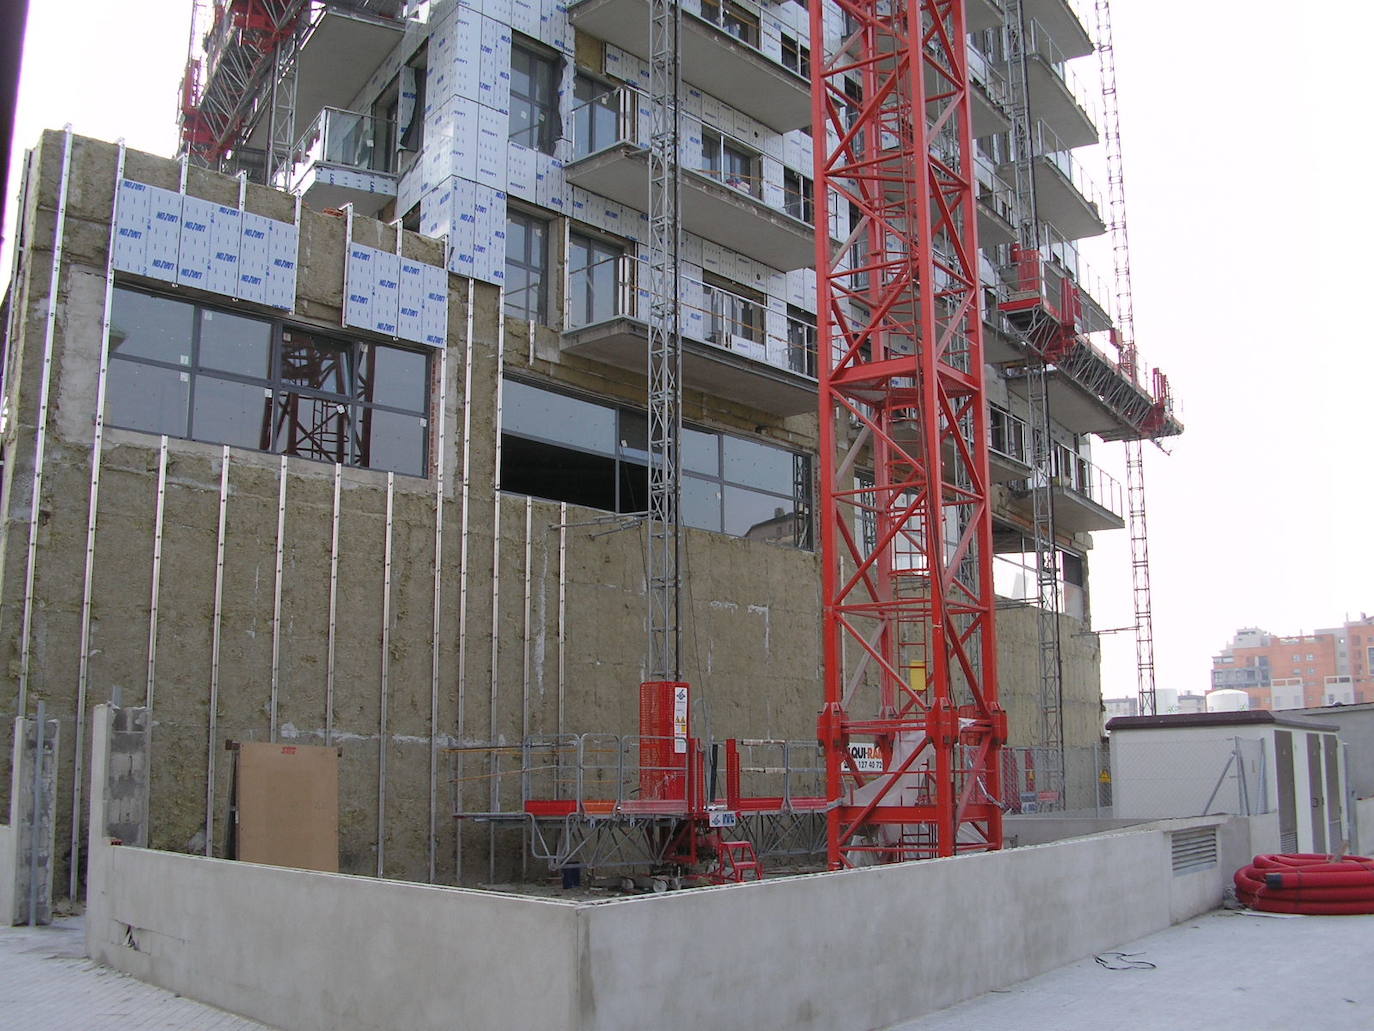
(288, 805)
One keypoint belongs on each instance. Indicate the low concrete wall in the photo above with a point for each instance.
(1020, 831)
(8, 848)
(855, 949)
(307, 951)
(851, 950)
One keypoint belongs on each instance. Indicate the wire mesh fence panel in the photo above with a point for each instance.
(1197, 777)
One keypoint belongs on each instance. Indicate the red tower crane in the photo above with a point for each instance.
(911, 727)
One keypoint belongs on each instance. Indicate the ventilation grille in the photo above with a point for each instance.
(1194, 849)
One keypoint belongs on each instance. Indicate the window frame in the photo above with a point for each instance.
(616, 252)
(277, 388)
(719, 320)
(538, 311)
(718, 150)
(544, 133)
(609, 90)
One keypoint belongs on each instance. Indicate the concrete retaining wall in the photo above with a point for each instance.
(851, 950)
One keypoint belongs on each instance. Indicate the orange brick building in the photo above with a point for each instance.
(1328, 667)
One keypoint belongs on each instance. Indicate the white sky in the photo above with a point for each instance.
(1246, 155)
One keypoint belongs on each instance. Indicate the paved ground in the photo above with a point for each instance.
(1224, 971)
(46, 982)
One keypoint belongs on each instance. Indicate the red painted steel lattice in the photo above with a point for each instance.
(911, 727)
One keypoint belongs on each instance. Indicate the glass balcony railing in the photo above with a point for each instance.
(347, 139)
(1040, 44)
(1049, 146)
(606, 115)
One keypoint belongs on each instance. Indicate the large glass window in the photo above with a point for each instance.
(568, 449)
(191, 371)
(534, 120)
(594, 269)
(596, 115)
(527, 262)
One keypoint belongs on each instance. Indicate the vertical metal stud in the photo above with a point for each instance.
(495, 790)
(525, 671)
(152, 623)
(214, 655)
(38, 808)
(530, 357)
(41, 434)
(88, 579)
(463, 564)
(439, 486)
(562, 608)
(276, 602)
(333, 611)
(383, 728)
(348, 240)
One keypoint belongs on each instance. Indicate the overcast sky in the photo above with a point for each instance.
(1246, 161)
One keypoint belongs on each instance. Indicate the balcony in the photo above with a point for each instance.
(1065, 196)
(996, 207)
(1008, 446)
(1066, 21)
(1061, 100)
(723, 193)
(990, 94)
(339, 54)
(1084, 497)
(346, 158)
(725, 349)
(720, 54)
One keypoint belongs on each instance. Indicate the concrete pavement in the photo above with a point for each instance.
(1223, 971)
(47, 982)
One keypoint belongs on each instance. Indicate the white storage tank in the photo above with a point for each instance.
(1227, 700)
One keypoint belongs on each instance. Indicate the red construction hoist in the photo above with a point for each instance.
(911, 727)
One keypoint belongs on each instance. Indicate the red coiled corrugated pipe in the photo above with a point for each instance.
(1306, 883)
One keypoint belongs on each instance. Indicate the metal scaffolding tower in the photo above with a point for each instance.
(1050, 664)
(1125, 328)
(912, 729)
(665, 340)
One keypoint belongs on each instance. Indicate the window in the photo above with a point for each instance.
(195, 372)
(534, 77)
(734, 19)
(733, 165)
(798, 195)
(801, 341)
(594, 280)
(527, 262)
(736, 311)
(568, 449)
(596, 115)
(745, 488)
(796, 56)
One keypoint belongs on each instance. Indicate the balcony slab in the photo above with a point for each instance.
(727, 68)
(710, 209)
(623, 342)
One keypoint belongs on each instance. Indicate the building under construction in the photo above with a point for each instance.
(477, 373)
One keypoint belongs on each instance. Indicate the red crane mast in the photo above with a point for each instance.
(911, 726)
